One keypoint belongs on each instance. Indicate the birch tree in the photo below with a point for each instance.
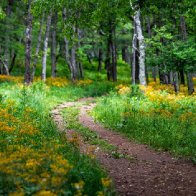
(45, 49)
(141, 48)
(28, 35)
(39, 41)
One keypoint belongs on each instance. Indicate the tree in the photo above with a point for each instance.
(27, 78)
(45, 49)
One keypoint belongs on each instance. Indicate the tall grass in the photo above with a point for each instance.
(35, 158)
(157, 118)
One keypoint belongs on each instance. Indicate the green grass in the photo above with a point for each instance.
(30, 106)
(71, 117)
(131, 116)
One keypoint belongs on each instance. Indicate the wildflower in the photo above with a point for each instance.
(106, 182)
(45, 193)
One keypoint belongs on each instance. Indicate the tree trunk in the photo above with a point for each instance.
(79, 64)
(100, 60)
(134, 50)
(27, 77)
(46, 37)
(182, 78)
(140, 37)
(37, 48)
(108, 58)
(154, 74)
(114, 55)
(5, 69)
(176, 82)
(67, 53)
(53, 45)
(125, 56)
(74, 70)
(190, 83)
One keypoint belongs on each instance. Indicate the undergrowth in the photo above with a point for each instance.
(155, 117)
(35, 158)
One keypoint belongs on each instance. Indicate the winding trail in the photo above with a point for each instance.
(147, 173)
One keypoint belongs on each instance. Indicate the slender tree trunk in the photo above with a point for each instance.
(190, 83)
(37, 48)
(100, 60)
(79, 64)
(67, 53)
(125, 56)
(73, 63)
(134, 50)
(154, 74)
(46, 37)
(53, 45)
(7, 40)
(114, 55)
(27, 77)
(182, 78)
(140, 37)
(4, 67)
(108, 65)
(176, 82)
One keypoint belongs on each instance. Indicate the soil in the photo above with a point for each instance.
(141, 170)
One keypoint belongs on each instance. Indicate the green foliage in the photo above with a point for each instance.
(30, 106)
(2, 14)
(159, 125)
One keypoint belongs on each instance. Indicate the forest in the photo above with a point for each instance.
(97, 97)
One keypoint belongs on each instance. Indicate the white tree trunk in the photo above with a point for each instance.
(27, 77)
(53, 45)
(37, 48)
(44, 59)
(134, 48)
(140, 37)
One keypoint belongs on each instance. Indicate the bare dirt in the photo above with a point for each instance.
(143, 171)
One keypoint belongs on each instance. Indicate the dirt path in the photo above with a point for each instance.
(147, 173)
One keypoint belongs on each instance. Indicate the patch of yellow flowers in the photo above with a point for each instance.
(123, 89)
(27, 164)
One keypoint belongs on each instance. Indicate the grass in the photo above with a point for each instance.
(157, 118)
(35, 158)
(71, 117)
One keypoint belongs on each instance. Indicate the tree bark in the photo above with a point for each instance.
(100, 60)
(46, 37)
(182, 78)
(74, 70)
(5, 69)
(37, 48)
(53, 45)
(140, 37)
(176, 82)
(27, 77)
(190, 83)
(114, 55)
(134, 50)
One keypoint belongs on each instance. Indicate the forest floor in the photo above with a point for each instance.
(135, 169)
